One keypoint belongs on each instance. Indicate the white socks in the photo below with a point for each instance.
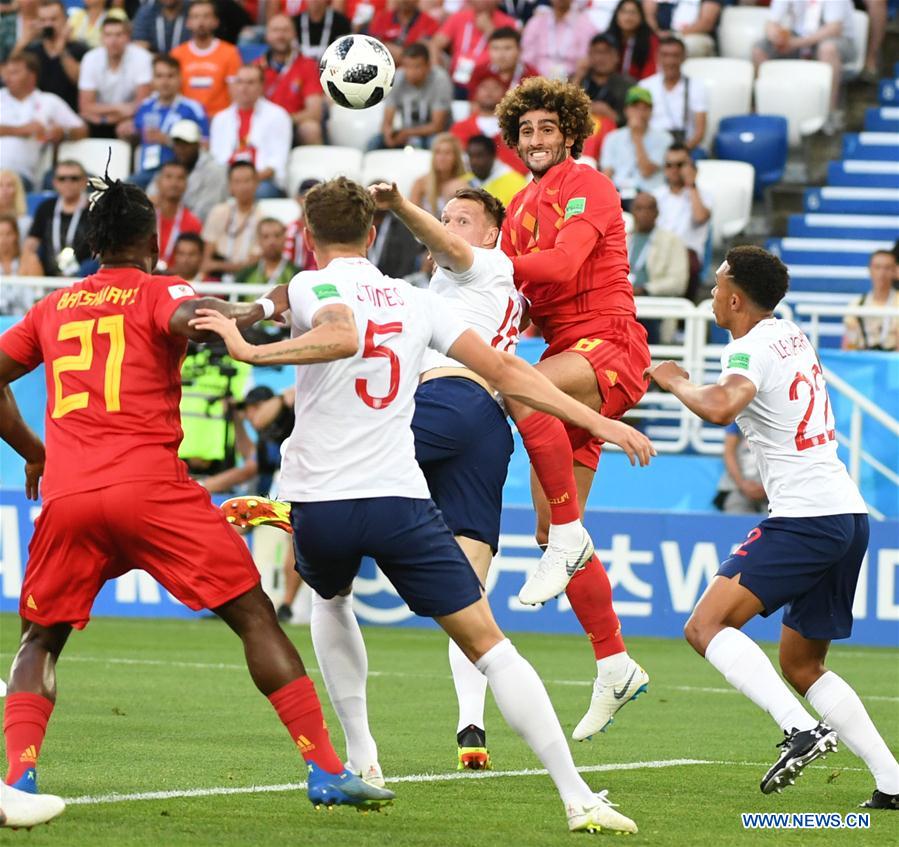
(841, 708)
(471, 688)
(612, 669)
(567, 535)
(341, 655)
(525, 705)
(746, 667)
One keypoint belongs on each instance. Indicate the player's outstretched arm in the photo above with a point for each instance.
(449, 250)
(515, 378)
(245, 314)
(333, 336)
(13, 429)
(561, 262)
(718, 404)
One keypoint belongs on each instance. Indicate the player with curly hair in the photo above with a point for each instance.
(565, 236)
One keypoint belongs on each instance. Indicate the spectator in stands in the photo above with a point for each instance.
(172, 216)
(658, 258)
(15, 299)
(694, 21)
(489, 173)
(601, 12)
(806, 29)
(635, 38)
(12, 200)
(86, 25)
(30, 118)
(605, 86)
(291, 80)
(58, 234)
(421, 98)
(58, 52)
(115, 79)
(294, 247)
(208, 65)
(555, 40)
(18, 30)
(359, 12)
(272, 268)
(207, 182)
(483, 121)
(876, 333)
(447, 175)
(155, 118)
(229, 233)
(395, 251)
(255, 130)
(685, 209)
(679, 104)
(187, 258)
(234, 19)
(503, 60)
(161, 26)
(740, 490)
(523, 10)
(632, 156)
(877, 27)
(401, 26)
(318, 26)
(464, 36)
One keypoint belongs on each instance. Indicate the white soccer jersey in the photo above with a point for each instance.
(789, 423)
(353, 435)
(484, 299)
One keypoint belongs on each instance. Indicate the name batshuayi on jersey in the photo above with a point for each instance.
(484, 298)
(789, 423)
(353, 436)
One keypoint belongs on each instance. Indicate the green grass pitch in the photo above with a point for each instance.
(148, 706)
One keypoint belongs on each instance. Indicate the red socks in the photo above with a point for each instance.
(25, 719)
(300, 711)
(590, 595)
(548, 447)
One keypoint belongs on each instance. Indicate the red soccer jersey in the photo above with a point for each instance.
(170, 228)
(289, 86)
(568, 193)
(386, 27)
(113, 374)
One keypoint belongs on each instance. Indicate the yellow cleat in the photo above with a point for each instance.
(247, 512)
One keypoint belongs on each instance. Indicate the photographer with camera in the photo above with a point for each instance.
(60, 55)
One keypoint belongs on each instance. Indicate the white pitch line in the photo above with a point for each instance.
(236, 667)
(224, 791)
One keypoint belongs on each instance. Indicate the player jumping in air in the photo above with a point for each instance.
(349, 467)
(565, 236)
(807, 554)
(116, 496)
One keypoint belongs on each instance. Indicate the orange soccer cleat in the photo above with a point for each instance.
(248, 512)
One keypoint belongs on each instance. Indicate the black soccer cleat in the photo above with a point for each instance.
(800, 749)
(879, 800)
(473, 752)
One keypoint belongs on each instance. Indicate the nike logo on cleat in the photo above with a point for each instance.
(619, 694)
(572, 567)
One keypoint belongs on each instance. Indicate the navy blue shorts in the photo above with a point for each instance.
(407, 538)
(809, 565)
(463, 444)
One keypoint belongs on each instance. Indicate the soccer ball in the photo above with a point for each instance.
(357, 71)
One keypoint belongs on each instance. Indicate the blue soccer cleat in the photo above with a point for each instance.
(345, 789)
(27, 782)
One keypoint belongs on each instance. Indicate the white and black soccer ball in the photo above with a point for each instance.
(357, 71)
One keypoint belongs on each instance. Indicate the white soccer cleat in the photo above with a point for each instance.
(373, 774)
(600, 817)
(21, 809)
(608, 699)
(555, 569)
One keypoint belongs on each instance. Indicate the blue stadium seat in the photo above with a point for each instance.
(852, 201)
(760, 140)
(864, 173)
(882, 119)
(826, 251)
(876, 146)
(34, 199)
(888, 92)
(829, 279)
(251, 52)
(814, 225)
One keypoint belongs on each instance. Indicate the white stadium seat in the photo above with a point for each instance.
(354, 127)
(729, 85)
(739, 29)
(400, 166)
(731, 186)
(797, 89)
(321, 162)
(860, 26)
(93, 154)
(284, 209)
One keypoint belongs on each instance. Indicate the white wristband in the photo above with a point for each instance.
(268, 307)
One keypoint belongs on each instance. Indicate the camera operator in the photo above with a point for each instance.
(59, 54)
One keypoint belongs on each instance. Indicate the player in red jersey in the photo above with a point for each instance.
(115, 495)
(565, 236)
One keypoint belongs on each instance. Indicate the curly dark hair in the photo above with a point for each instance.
(568, 101)
(121, 217)
(759, 274)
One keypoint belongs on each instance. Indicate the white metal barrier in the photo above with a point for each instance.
(816, 311)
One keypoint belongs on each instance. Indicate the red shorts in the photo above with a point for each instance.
(171, 530)
(618, 352)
